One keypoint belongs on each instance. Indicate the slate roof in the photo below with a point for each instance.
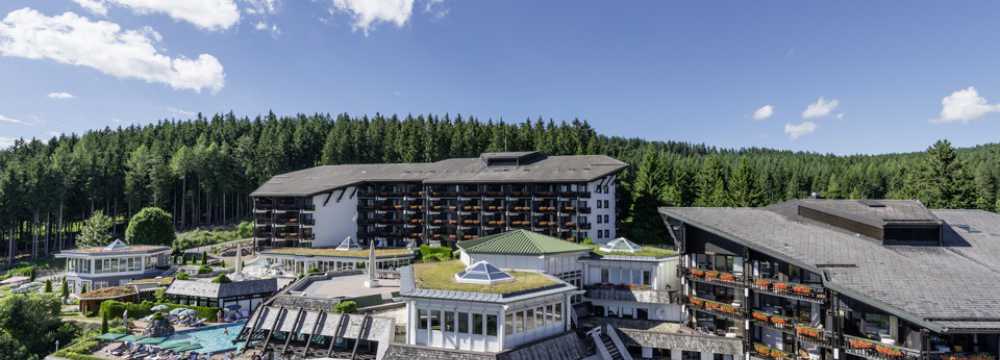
(877, 213)
(946, 288)
(207, 289)
(573, 168)
(520, 242)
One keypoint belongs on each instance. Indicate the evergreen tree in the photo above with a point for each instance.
(941, 180)
(96, 231)
(744, 185)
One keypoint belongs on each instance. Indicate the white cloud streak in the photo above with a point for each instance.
(367, 13)
(764, 112)
(61, 95)
(964, 106)
(6, 142)
(105, 46)
(795, 131)
(10, 120)
(820, 108)
(181, 112)
(205, 14)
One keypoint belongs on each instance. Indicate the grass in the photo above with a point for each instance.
(649, 251)
(441, 276)
(334, 252)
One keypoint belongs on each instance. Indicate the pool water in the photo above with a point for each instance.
(211, 339)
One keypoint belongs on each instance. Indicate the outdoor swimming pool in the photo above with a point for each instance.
(205, 340)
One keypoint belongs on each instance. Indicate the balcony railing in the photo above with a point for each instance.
(767, 352)
(716, 308)
(715, 276)
(773, 321)
(636, 293)
(815, 336)
(876, 350)
(791, 290)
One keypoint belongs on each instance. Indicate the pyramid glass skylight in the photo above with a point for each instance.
(348, 244)
(116, 245)
(482, 273)
(620, 245)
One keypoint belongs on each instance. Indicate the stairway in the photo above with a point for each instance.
(610, 346)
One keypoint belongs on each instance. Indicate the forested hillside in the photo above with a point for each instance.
(202, 170)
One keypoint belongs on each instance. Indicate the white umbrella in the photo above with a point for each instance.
(160, 307)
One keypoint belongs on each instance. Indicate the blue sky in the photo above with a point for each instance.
(841, 77)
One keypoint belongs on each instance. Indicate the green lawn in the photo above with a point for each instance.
(441, 276)
(644, 251)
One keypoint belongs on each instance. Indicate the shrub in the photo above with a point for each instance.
(115, 309)
(104, 323)
(79, 349)
(65, 289)
(204, 258)
(151, 225)
(345, 307)
(182, 276)
(221, 279)
(245, 229)
(199, 237)
(204, 269)
(437, 253)
(587, 241)
(48, 285)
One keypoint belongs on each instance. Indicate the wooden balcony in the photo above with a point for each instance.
(715, 277)
(636, 293)
(763, 351)
(815, 336)
(790, 290)
(876, 350)
(716, 308)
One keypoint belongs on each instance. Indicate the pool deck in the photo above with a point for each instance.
(350, 286)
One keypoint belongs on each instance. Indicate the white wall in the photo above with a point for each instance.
(595, 211)
(335, 220)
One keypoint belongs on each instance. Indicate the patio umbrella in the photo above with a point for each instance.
(177, 311)
(160, 307)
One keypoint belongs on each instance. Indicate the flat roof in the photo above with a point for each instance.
(349, 286)
(876, 213)
(437, 280)
(333, 252)
(547, 169)
(105, 251)
(947, 287)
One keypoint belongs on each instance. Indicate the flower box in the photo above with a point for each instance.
(757, 315)
(762, 283)
(780, 287)
(859, 344)
(802, 290)
(697, 273)
(727, 277)
(806, 331)
(888, 351)
(762, 349)
(711, 274)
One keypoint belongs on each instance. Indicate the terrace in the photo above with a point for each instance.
(644, 251)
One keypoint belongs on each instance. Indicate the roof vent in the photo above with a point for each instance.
(116, 245)
(482, 273)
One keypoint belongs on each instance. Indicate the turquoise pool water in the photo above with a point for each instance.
(206, 340)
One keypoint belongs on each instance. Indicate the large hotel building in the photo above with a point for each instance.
(395, 205)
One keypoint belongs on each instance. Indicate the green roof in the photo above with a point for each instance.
(520, 242)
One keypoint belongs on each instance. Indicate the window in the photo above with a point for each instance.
(529, 321)
(598, 204)
(463, 322)
(604, 275)
(449, 321)
(607, 220)
(540, 317)
(435, 320)
(558, 312)
(477, 324)
(549, 314)
(491, 325)
(647, 277)
(690, 355)
(598, 219)
(508, 325)
(519, 322)
(422, 319)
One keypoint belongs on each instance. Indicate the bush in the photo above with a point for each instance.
(345, 307)
(204, 269)
(48, 285)
(152, 226)
(182, 276)
(587, 241)
(21, 270)
(438, 253)
(65, 289)
(199, 237)
(221, 279)
(104, 323)
(245, 230)
(115, 309)
(204, 258)
(79, 349)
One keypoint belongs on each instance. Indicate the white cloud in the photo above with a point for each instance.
(10, 120)
(820, 108)
(6, 142)
(205, 14)
(61, 95)
(368, 12)
(963, 106)
(181, 112)
(261, 26)
(764, 112)
(104, 46)
(94, 6)
(260, 7)
(795, 131)
(436, 8)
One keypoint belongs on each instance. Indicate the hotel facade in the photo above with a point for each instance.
(395, 205)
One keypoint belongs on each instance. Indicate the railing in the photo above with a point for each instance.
(792, 290)
(767, 352)
(872, 349)
(584, 210)
(714, 276)
(774, 321)
(636, 293)
(815, 335)
(715, 307)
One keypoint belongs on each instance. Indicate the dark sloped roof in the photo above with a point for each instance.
(946, 288)
(320, 179)
(877, 213)
(520, 242)
(213, 290)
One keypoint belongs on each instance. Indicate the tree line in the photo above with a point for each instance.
(202, 170)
